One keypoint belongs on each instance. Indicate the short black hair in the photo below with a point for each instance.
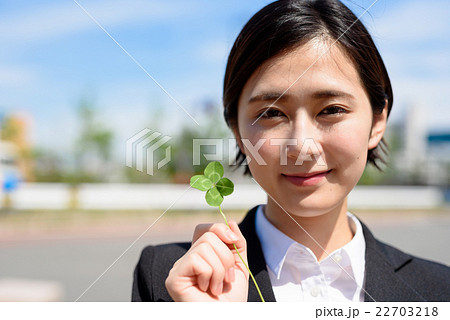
(286, 24)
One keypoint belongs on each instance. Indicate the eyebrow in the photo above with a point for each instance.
(326, 94)
(269, 97)
(278, 96)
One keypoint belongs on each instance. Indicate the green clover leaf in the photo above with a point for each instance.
(201, 183)
(214, 171)
(213, 197)
(225, 186)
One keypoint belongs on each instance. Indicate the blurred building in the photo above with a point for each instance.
(438, 163)
(425, 155)
(15, 150)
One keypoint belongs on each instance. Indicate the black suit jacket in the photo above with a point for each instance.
(390, 275)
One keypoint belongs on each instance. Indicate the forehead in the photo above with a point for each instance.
(316, 65)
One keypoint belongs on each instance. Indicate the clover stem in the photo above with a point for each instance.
(245, 264)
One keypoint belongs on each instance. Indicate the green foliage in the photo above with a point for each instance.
(93, 136)
(94, 142)
(212, 126)
(370, 176)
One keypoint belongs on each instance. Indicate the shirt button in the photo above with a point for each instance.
(315, 292)
(337, 258)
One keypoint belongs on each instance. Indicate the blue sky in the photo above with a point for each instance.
(53, 54)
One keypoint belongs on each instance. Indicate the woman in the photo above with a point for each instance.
(307, 89)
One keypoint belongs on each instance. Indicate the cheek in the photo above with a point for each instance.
(257, 141)
(348, 146)
(347, 143)
(261, 151)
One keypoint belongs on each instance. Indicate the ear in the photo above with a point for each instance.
(378, 128)
(237, 136)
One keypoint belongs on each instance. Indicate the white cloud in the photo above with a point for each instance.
(68, 18)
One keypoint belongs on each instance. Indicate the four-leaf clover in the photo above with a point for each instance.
(213, 182)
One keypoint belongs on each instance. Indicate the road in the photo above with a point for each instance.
(77, 261)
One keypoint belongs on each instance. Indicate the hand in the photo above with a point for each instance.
(211, 270)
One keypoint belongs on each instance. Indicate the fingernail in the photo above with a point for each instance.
(231, 235)
(219, 288)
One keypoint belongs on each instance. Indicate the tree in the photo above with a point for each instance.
(94, 145)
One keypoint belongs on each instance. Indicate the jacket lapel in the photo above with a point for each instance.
(382, 283)
(256, 261)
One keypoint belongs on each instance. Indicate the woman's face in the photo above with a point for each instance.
(306, 123)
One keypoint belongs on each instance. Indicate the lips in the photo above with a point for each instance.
(306, 179)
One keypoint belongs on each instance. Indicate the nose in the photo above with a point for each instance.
(307, 137)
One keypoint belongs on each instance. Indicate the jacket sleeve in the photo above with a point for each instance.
(142, 282)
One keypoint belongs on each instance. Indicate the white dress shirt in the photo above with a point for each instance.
(295, 273)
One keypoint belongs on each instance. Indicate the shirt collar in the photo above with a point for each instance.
(275, 245)
(356, 249)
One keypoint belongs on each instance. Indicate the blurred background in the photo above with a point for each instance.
(71, 98)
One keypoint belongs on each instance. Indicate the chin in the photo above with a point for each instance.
(308, 207)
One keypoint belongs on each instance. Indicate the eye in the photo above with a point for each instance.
(333, 110)
(271, 113)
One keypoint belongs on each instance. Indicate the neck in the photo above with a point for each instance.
(322, 234)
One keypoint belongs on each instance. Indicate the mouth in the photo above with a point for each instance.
(306, 179)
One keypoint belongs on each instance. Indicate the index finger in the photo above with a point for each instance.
(222, 231)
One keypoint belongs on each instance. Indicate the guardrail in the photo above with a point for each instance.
(49, 196)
